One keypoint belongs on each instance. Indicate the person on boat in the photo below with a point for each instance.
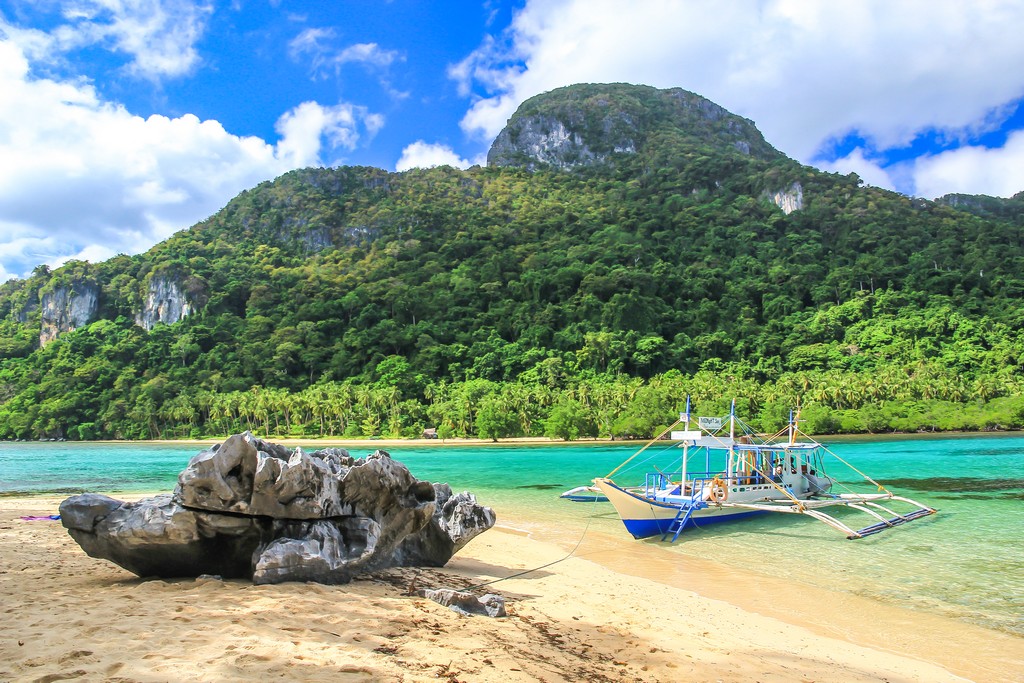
(777, 474)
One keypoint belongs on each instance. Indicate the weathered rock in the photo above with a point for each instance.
(222, 479)
(250, 508)
(489, 605)
(457, 520)
(789, 200)
(249, 476)
(81, 513)
(375, 521)
(67, 308)
(158, 537)
(165, 303)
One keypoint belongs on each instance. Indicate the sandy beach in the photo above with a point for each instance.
(612, 612)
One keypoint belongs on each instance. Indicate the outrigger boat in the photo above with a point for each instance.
(754, 475)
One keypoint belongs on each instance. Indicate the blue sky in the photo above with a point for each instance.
(122, 121)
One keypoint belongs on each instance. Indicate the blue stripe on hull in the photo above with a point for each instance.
(645, 528)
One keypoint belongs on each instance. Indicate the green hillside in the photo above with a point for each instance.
(624, 247)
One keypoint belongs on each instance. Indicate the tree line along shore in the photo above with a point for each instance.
(916, 399)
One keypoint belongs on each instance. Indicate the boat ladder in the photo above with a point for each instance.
(677, 525)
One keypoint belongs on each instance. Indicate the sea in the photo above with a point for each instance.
(965, 563)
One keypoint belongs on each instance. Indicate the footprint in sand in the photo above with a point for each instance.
(62, 676)
(75, 655)
(355, 670)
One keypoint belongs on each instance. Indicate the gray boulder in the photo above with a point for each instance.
(158, 537)
(464, 602)
(250, 508)
(457, 520)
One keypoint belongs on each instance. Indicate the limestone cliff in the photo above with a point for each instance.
(67, 307)
(789, 199)
(165, 303)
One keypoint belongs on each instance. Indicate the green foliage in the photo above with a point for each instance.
(493, 421)
(569, 420)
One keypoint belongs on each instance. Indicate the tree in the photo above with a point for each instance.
(494, 420)
(569, 420)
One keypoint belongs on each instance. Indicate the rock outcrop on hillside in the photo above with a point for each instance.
(165, 303)
(789, 199)
(67, 307)
(252, 509)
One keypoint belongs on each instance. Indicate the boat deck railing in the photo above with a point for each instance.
(659, 484)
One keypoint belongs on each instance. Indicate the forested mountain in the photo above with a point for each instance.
(623, 247)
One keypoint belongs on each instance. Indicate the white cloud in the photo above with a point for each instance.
(973, 170)
(93, 253)
(315, 43)
(807, 72)
(366, 53)
(159, 36)
(303, 129)
(855, 162)
(422, 154)
(77, 171)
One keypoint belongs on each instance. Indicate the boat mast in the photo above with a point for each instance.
(732, 439)
(686, 447)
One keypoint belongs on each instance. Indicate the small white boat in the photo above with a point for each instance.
(585, 494)
(728, 473)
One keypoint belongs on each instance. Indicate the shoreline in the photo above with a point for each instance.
(327, 442)
(614, 610)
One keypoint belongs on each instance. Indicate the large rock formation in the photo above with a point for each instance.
(253, 509)
(67, 307)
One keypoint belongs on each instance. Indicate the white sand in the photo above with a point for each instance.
(66, 615)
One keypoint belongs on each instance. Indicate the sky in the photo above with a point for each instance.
(124, 121)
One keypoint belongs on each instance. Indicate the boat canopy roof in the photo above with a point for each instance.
(725, 442)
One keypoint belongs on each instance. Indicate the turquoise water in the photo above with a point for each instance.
(967, 562)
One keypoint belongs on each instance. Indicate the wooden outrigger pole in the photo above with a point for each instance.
(811, 508)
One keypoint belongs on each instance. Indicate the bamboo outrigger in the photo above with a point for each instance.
(760, 475)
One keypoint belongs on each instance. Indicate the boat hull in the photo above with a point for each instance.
(644, 517)
(645, 528)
